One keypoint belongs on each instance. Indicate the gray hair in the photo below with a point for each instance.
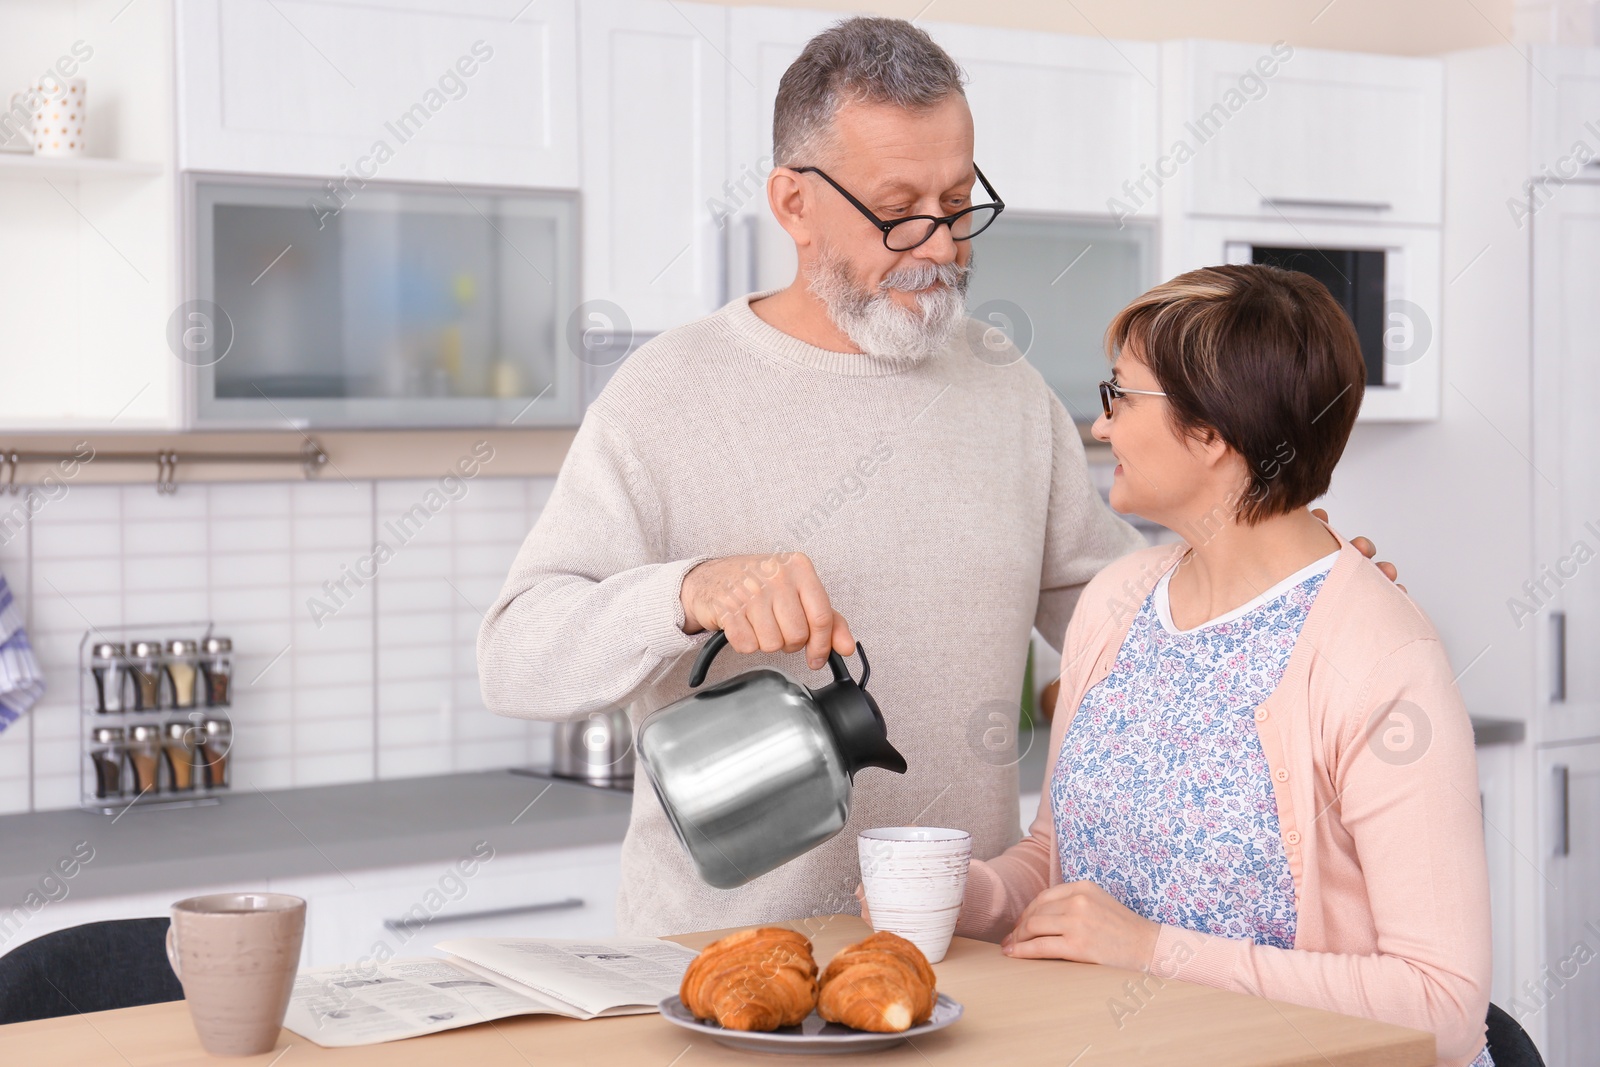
(861, 61)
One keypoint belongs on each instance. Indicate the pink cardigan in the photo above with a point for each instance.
(1391, 884)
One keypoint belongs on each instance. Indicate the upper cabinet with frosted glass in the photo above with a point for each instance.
(412, 305)
(381, 222)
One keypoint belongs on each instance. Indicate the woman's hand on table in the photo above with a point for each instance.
(1079, 921)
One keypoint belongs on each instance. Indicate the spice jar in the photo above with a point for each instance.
(144, 756)
(216, 737)
(107, 757)
(178, 744)
(182, 671)
(216, 665)
(144, 672)
(108, 664)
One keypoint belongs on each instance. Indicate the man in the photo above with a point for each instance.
(831, 451)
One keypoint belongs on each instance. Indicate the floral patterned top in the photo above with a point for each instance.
(1161, 794)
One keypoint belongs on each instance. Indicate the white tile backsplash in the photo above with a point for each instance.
(344, 670)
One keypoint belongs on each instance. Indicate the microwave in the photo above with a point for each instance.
(1387, 279)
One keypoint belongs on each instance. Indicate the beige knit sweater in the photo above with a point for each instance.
(945, 503)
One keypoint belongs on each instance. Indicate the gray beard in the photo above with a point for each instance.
(880, 327)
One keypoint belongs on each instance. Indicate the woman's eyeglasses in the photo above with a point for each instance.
(1110, 391)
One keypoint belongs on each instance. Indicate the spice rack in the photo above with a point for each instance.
(153, 716)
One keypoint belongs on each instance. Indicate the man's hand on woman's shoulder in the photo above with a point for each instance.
(1368, 549)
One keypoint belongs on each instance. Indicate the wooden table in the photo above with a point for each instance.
(1017, 1012)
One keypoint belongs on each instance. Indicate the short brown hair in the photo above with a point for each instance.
(1262, 357)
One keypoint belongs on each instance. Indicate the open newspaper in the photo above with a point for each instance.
(481, 980)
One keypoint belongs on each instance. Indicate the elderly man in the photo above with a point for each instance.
(831, 451)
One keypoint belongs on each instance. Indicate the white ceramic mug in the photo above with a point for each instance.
(915, 877)
(58, 116)
(236, 955)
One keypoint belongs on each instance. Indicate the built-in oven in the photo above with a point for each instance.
(1385, 277)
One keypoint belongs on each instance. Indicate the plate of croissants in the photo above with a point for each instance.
(760, 990)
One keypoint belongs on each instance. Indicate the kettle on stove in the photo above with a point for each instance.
(756, 770)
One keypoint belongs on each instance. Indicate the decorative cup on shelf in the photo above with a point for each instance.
(914, 877)
(236, 955)
(58, 116)
(16, 123)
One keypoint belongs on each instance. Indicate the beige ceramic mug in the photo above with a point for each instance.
(236, 955)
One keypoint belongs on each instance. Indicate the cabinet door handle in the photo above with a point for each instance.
(1558, 659)
(1563, 839)
(410, 925)
(1345, 205)
(752, 267)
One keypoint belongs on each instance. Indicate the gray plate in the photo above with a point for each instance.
(813, 1036)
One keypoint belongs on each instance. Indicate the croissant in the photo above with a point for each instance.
(758, 979)
(883, 984)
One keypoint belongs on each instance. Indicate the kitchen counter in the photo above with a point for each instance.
(253, 835)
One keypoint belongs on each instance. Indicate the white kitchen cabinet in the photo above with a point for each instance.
(1060, 122)
(655, 84)
(395, 90)
(563, 893)
(1496, 793)
(1569, 984)
(1562, 598)
(1565, 140)
(1328, 135)
(762, 42)
(73, 910)
(560, 893)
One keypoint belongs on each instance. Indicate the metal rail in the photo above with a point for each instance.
(311, 459)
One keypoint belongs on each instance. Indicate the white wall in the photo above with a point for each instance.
(385, 687)
(1414, 27)
(90, 265)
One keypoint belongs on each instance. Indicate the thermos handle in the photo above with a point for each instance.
(719, 639)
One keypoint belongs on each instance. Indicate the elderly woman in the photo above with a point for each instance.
(1262, 776)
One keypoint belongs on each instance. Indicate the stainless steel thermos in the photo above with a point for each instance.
(756, 770)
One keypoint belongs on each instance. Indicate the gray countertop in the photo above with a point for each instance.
(254, 835)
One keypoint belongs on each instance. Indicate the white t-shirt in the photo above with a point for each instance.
(1163, 604)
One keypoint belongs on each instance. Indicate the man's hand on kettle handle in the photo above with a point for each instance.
(765, 603)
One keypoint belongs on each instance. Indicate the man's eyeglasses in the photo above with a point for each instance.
(902, 235)
(1110, 391)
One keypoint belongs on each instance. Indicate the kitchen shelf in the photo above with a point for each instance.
(15, 165)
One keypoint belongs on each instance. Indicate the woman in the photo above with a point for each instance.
(1262, 775)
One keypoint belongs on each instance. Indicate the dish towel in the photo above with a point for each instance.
(21, 681)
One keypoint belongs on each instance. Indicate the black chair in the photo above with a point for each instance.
(1509, 1043)
(93, 967)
